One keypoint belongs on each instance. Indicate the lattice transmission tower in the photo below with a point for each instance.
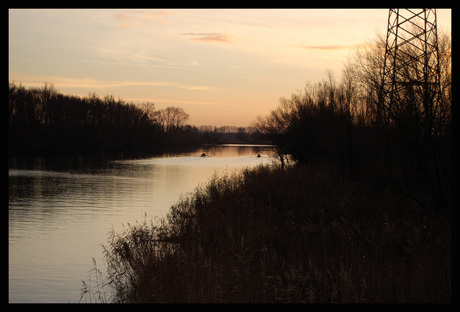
(411, 72)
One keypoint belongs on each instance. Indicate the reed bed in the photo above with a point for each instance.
(301, 234)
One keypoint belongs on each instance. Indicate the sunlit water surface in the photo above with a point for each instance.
(61, 211)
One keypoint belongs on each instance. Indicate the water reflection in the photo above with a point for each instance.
(61, 209)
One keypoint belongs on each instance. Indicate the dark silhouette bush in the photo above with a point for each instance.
(303, 235)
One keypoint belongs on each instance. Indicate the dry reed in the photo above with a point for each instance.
(294, 235)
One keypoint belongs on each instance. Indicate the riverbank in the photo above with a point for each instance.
(43, 122)
(53, 200)
(299, 234)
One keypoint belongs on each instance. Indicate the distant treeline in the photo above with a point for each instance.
(43, 121)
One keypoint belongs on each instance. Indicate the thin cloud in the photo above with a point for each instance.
(156, 84)
(335, 47)
(216, 37)
(156, 100)
(131, 19)
(326, 47)
(92, 83)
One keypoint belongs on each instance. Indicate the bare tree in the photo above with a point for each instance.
(171, 118)
(149, 109)
(415, 123)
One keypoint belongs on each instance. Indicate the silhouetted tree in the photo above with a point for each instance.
(41, 120)
(342, 123)
(415, 129)
(171, 118)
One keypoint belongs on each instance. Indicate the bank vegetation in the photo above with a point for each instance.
(358, 209)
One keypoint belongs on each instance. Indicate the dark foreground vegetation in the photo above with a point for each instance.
(358, 209)
(301, 234)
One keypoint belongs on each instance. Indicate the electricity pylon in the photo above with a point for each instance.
(411, 71)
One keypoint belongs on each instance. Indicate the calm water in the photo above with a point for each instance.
(61, 210)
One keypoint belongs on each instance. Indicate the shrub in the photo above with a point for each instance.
(302, 234)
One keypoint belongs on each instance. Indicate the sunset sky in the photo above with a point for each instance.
(222, 66)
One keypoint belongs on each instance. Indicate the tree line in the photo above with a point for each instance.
(43, 121)
(341, 123)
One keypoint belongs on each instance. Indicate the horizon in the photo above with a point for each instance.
(224, 67)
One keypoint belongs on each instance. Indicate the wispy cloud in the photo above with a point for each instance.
(335, 47)
(118, 58)
(92, 83)
(126, 83)
(131, 19)
(163, 100)
(326, 47)
(217, 37)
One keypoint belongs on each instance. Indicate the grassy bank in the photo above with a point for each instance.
(301, 234)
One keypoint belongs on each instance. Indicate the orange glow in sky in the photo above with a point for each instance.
(222, 66)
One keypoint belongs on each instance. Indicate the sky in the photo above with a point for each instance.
(222, 66)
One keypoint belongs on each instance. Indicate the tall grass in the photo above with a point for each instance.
(301, 234)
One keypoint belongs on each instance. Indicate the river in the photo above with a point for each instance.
(61, 210)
